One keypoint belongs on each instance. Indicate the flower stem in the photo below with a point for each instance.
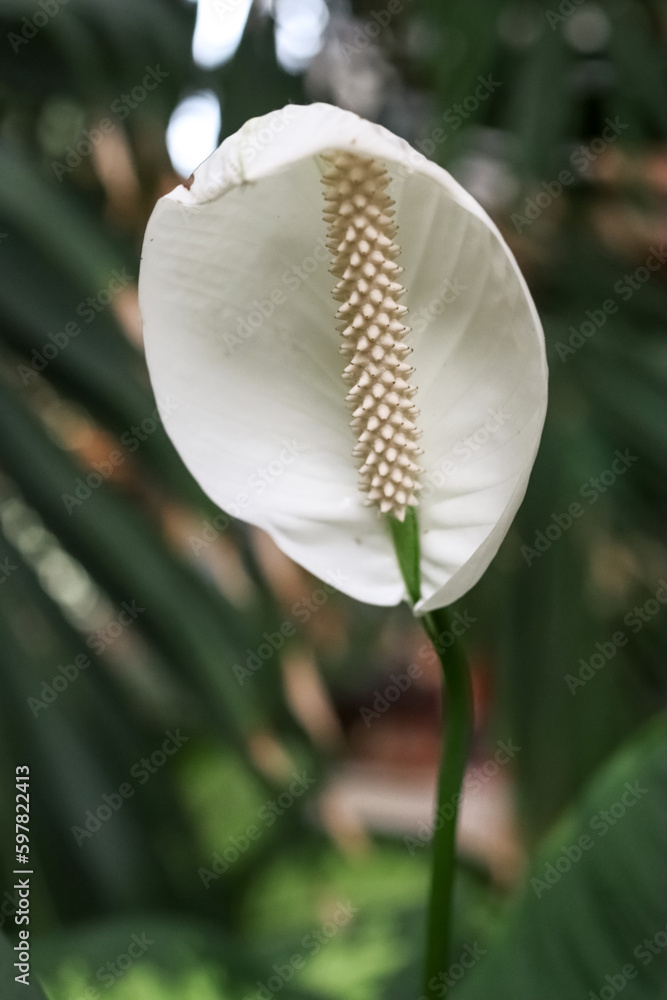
(457, 697)
(458, 703)
(405, 536)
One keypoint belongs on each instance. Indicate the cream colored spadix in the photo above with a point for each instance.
(242, 340)
(362, 235)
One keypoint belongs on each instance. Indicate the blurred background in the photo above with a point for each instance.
(231, 765)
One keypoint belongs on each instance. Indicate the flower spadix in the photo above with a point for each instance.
(361, 238)
(342, 335)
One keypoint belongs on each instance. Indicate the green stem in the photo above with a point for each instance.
(457, 698)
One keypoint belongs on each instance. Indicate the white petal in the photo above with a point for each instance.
(483, 392)
(240, 331)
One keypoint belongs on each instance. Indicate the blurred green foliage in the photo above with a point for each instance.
(561, 73)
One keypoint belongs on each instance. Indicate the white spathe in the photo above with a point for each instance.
(243, 345)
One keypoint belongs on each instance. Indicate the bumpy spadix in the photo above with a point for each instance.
(242, 337)
(362, 235)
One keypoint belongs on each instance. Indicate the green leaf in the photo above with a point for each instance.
(96, 365)
(54, 220)
(152, 957)
(535, 112)
(592, 917)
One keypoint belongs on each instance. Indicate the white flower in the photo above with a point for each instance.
(239, 307)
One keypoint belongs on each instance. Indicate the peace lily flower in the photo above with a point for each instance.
(349, 339)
